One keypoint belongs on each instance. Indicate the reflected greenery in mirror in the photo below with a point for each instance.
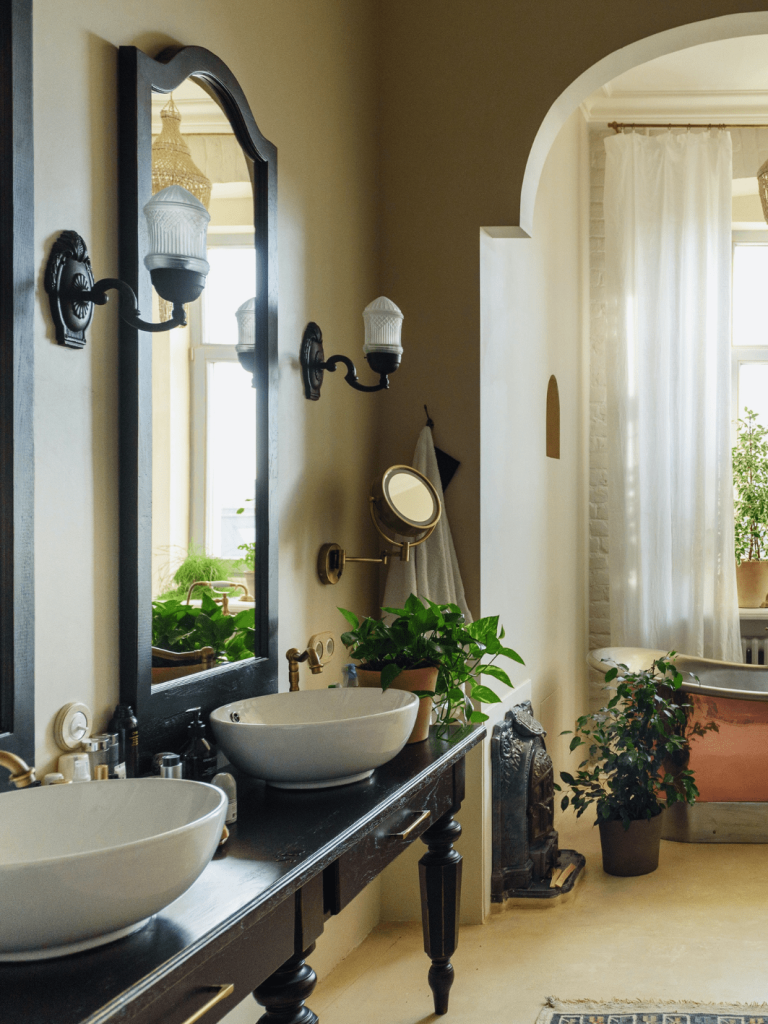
(198, 429)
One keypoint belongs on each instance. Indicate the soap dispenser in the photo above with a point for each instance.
(199, 755)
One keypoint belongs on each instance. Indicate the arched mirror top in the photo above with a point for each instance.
(197, 416)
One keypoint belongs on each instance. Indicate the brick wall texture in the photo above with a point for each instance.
(599, 587)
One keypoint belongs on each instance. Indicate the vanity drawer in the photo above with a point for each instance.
(245, 962)
(350, 874)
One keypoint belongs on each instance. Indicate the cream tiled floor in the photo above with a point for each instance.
(695, 929)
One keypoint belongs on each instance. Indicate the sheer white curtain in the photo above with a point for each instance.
(670, 501)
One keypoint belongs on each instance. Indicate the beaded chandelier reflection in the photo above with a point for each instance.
(383, 350)
(172, 164)
(177, 223)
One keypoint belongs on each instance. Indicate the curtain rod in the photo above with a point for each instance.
(618, 126)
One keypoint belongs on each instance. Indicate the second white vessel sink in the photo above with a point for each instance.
(85, 864)
(315, 738)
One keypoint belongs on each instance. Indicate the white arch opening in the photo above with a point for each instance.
(729, 26)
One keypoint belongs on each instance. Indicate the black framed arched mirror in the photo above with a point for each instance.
(197, 404)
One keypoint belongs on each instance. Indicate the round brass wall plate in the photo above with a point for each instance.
(311, 358)
(408, 518)
(330, 563)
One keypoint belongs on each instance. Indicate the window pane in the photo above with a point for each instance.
(750, 281)
(231, 280)
(231, 458)
(753, 390)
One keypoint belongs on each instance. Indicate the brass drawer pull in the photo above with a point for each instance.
(414, 824)
(222, 992)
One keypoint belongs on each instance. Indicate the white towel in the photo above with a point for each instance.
(433, 569)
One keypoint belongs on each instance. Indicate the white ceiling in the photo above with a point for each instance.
(723, 80)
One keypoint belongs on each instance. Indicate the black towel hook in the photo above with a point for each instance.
(430, 421)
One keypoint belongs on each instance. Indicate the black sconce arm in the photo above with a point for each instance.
(129, 309)
(351, 375)
(314, 364)
(73, 293)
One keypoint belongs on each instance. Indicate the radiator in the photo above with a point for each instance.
(754, 650)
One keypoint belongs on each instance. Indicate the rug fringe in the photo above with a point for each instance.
(642, 1006)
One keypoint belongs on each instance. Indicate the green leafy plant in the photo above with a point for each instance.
(637, 748)
(425, 634)
(750, 480)
(179, 627)
(199, 566)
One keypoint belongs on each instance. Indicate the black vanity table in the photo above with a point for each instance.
(293, 859)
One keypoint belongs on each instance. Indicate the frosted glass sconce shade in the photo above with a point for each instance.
(177, 224)
(246, 336)
(383, 325)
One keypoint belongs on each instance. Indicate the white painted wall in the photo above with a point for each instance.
(534, 510)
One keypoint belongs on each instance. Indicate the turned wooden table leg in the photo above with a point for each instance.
(284, 992)
(440, 879)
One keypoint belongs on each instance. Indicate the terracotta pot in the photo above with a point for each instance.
(409, 679)
(631, 852)
(752, 584)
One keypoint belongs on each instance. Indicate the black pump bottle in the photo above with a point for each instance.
(199, 756)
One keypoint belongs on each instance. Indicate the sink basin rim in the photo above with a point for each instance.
(133, 844)
(404, 698)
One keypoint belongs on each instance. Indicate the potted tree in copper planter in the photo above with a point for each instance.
(636, 764)
(750, 511)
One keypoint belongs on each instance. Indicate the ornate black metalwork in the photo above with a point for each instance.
(525, 843)
(73, 293)
(314, 363)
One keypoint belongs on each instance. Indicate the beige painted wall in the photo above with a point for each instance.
(429, 107)
(306, 68)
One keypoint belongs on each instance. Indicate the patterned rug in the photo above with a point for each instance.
(582, 1011)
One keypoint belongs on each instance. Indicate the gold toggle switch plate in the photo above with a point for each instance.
(324, 644)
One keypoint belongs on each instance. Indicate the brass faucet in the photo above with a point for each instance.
(294, 657)
(21, 774)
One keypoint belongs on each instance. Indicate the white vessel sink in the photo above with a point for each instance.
(85, 864)
(315, 738)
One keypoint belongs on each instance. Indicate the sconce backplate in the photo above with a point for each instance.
(312, 358)
(68, 273)
(330, 563)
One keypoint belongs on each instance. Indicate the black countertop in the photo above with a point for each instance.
(282, 839)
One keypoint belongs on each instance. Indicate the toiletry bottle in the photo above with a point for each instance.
(125, 724)
(350, 675)
(170, 767)
(199, 756)
(227, 782)
(75, 767)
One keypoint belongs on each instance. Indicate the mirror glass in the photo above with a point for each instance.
(203, 400)
(411, 496)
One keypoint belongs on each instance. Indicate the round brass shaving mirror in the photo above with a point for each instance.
(403, 501)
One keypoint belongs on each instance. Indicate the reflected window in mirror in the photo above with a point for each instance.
(203, 402)
(198, 421)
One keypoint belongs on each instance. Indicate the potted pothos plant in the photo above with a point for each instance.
(187, 639)
(430, 650)
(635, 764)
(750, 511)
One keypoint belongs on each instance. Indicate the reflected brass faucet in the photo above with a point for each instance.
(294, 657)
(21, 774)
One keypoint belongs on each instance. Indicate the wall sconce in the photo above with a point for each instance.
(246, 337)
(177, 223)
(382, 348)
(402, 500)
